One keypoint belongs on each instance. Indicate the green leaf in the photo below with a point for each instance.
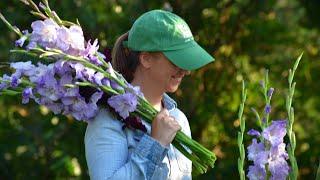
(297, 62)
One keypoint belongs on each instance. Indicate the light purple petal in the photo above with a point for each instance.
(253, 132)
(96, 96)
(26, 94)
(123, 103)
(267, 109)
(254, 149)
(279, 169)
(275, 132)
(134, 89)
(256, 173)
(97, 78)
(270, 92)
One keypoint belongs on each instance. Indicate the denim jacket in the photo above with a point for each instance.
(121, 154)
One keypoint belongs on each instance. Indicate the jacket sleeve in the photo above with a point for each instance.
(108, 156)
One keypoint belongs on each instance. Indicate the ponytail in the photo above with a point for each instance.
(124, 60)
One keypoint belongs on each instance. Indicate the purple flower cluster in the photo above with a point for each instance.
(48, 87)
(48, 34)
(270, 152)
(53, 85)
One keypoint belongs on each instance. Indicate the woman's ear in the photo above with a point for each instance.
(145, 59)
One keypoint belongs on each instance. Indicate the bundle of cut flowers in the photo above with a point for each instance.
(68, 63)
(268, 151)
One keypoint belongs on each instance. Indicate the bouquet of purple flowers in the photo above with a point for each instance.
(69, 64)
(268, 151)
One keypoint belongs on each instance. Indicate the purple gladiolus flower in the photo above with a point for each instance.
(110, 70)
(65, 79)
(22, 66)
(254, 149)
(99, 54)
(91, 49)
(37, 73)
(70, 40)
(123, 103)
(115, 85)
(96, 96)
(94, 59)
(105, 82)
(134, 89)
(64, 39)
(97, 78)
(15, 80)
(71, 92)
(54, 107)
(61, 67)
(42, 6)
(44, 33)
(270, 92)
(77, 38)
(267, 109)
(256, 173)
(273, 154)
(279, 168)
(275, 132)
(79, 70)
(278, 151)
(253, 132)
(21, 41)
(31, 45)
(88, 74)
(3, 85)
(84, 111)
(5, 82)
(26, 94)
(261, 158)
(50, 88)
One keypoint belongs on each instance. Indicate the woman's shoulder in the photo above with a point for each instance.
(104, 118)
(104, 121)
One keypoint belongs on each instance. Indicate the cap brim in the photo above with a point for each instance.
(189, 58)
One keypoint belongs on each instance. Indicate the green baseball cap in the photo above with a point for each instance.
(163, 31)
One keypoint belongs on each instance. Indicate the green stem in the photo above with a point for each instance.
(241, 133)
(290, 112)
(14, 29)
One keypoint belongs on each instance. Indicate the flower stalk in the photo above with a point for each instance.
(290, 112)
(241, 133)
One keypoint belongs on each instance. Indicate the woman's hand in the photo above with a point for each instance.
(164, 128)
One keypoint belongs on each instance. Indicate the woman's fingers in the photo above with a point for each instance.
(164, 127)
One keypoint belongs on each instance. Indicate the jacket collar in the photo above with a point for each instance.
(168, 102)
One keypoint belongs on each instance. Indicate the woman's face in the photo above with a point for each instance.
(166, 75)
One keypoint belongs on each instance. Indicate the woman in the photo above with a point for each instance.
(156, 54)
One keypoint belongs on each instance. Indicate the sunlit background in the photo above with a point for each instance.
(244, 36)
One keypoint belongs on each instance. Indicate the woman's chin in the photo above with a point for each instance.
(172, 89)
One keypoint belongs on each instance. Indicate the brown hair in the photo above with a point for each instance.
(124, 60)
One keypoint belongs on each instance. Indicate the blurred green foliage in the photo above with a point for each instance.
(245, 36)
